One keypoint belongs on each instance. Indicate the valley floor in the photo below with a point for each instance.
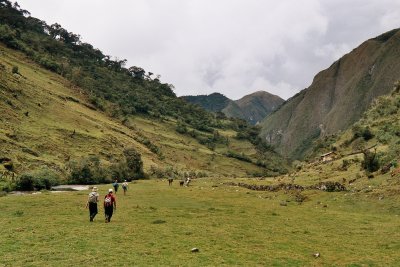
(158, 225)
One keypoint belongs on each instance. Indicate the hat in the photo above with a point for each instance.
(110, 190)
(94, 189)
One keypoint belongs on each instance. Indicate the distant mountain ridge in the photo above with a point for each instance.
(214, 102)
(337, 97)
(252, 108)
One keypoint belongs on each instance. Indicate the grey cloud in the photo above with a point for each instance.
(230, 46)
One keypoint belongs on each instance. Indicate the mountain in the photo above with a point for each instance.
(214, 102)
(48, 124)
(378, 128)
(256, 106)
(337, 97)
(69, 111)
(252, 108)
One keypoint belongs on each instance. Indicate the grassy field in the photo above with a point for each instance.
(158, 225)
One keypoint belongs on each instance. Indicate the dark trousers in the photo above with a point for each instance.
(92, 210)
(108, 211)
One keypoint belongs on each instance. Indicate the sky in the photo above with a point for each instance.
(234, 47)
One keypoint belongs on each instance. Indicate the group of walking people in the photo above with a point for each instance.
(109, 202)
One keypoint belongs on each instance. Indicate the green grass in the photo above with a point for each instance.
(56, 109)
(158, 225)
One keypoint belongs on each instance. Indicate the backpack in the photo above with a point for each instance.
(108, 201)
(93, 197)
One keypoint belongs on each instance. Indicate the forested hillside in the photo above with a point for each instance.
(251, 108)
(72, 114)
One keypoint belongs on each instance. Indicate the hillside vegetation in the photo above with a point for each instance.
(378, 132)
(251, 108)
(337, 98)
(89, 119)
(60, 125)
(304, 220)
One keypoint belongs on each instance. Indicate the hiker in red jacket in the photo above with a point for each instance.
(109, 205)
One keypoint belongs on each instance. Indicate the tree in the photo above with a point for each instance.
(134, 163)
(137, 72)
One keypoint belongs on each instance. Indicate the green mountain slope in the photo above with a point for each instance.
(70, 110)
(132, 90)
(257, 106)
(214, 102)
(337, 97)
(46, 123)
(252, 108)
(366, 157)
(379, 128)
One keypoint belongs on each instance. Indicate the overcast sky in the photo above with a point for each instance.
(234, 47)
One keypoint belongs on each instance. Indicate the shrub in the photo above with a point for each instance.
(134, 163)
(345, 165)
(14, 70)
(151, 146)
(384, 137)
(88, 171)
(364, 132)
(6, 186)
(239, 156)
(371, 162)
(37, 180)
(25, 182)
(168, 171)
(181, 127)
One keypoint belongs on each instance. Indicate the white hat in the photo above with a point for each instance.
(110, 190)
(94, 189)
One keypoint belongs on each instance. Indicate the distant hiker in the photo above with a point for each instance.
(115, 185)
(125, 186)
(187, 181)
(92, 203)
(170, 180)
(109, 205)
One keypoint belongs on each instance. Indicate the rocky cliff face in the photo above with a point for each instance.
(337, 97)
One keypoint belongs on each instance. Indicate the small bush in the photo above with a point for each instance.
(239, 156)
(14, 70)
(299, 198)
(371, 162)
(364, 132)
(18, 213)
(345, 165)
(25, 183)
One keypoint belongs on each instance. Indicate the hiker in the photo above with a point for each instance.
(92, 203)
(187, 181)
(125, 186)
(115, 185)
(109, 205)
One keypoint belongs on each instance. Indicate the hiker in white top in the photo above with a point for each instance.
(92, 203)
(125, 186)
